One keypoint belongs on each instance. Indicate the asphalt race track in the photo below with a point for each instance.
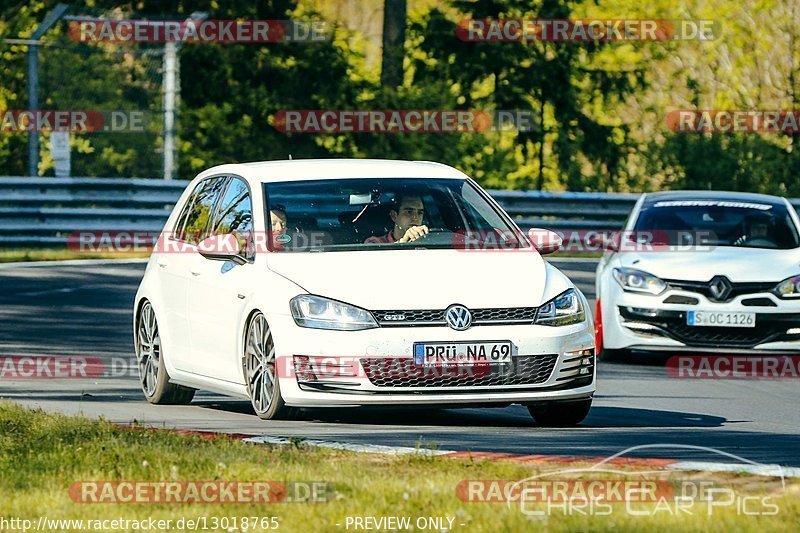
(85, 310)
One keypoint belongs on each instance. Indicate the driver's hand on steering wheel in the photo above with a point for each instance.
(413, 233)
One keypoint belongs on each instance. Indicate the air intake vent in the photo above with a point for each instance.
(685, 300)
(759, 302)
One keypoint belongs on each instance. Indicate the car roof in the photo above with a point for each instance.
(316, 169)
(723, 196)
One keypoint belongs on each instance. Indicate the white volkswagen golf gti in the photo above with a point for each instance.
(337, 283)
(702, 272)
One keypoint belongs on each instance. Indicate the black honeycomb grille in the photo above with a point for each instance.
(404, 372)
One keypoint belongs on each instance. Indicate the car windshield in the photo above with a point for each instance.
(717, 223)
(373, 214)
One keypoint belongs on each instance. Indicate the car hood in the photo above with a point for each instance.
(738, 264)
(418, 279)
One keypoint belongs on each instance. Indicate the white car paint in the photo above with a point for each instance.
(739, 264)
(203, 305)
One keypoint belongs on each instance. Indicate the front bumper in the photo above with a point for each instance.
(548, 363)
(646, 322)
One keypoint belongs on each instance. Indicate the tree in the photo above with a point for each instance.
(394, 38)
(576, 146)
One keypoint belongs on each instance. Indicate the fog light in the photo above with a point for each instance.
(643, 311)
(641, 326)
(303, 368)
(324, 367)
(586, 363)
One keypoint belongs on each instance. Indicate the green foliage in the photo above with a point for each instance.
(602, 107)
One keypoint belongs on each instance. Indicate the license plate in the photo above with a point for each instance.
(437, 354)
(721, 319)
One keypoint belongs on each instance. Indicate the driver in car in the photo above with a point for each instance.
(758, 231)
(407, 218)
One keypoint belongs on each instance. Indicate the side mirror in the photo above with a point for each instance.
(545, 241)
(221, 248)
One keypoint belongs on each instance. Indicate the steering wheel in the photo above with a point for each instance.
(433, 236)
(760, 243)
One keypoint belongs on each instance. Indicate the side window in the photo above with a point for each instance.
(177, 232)
(200, 211)
(235, 215)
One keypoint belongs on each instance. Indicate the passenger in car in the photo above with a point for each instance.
(407, 218)
(278, 221)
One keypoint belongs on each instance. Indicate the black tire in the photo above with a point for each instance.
(259, 362)
(610, 356)
(560, 413)
(153, 376)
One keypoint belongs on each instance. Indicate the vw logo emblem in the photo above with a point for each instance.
(458, 317)
(720, 288)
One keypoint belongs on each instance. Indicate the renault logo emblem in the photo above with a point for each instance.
(458, 317)
(720, 288)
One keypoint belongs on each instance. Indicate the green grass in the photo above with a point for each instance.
(41, 455)
(17, 255)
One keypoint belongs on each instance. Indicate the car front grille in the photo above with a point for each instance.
(710, 336)
(737, 289)
(435, 317)
(769, 328)
(405, 373)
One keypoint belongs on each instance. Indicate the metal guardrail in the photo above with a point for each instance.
(40, 211)
(566, 210)
(45, 211)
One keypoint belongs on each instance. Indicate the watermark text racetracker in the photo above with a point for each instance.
(572, 241)
(66, 367)
(564, 490)
(605, 497)
(734, 366)
(197, 31)
(637, 487)
(585, 30)
(441, 363)
(734, 121)
(403, 120)
(74, 121)
(187, 492)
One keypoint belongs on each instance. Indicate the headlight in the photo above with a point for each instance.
(789, 288)
(562, 310)
(321, 313)
(633, 280)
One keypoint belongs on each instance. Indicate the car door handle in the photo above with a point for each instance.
(194, 273)
(162, 265)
